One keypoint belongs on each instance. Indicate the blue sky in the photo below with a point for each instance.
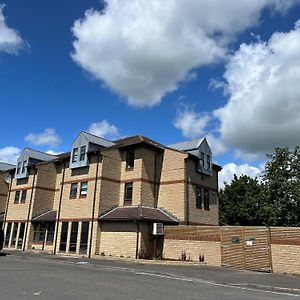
(170, 70)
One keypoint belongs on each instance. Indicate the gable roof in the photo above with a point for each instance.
(139, 213)
(38, 155)
(94, 139)
(187, 145)
(5, 166)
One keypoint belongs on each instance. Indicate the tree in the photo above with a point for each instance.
(241, 201)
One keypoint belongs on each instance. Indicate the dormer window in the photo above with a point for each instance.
(19, 168)
(129, 159)
(24, 166)
(82, 153)
(75, 155)
(208, 163)
(202, 155)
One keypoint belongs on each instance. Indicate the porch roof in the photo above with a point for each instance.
(48, 216)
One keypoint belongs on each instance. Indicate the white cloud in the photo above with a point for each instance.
(9, 154)
(191, 124)
(10, 40)
(143, 49)
(226, 175)
(263, 110)
(216, 145)
(52, 152)
(105, 130)
(47, 138)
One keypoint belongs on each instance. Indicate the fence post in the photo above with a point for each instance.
(270, 248)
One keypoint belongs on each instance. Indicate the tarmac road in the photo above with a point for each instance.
(32, 276)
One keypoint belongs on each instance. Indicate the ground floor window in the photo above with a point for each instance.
(84, 237)
(73, 237)
(14, 235)
(50, 232)
(63, 236)
(21, 235)
(39, 232)
(7, 236)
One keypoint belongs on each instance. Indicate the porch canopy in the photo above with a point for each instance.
(139, 214)
(48, 216)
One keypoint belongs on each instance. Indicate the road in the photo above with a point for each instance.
(31, 276)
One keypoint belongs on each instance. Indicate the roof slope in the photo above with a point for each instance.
(187, 145)
(5, 166)
(94, 139)
(38, 155)
(137, 139)
(138, 213)
(48, 216)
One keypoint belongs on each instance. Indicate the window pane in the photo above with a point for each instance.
(21, 236)
(63, 237)
(82, 153)
(84, 237)
(129, 159)
(50, 233)
(23, 196)
(73, 237)
(24, 166)
(7, 236)
(19, 168)
(83, 188)
(208, 161)
(14, 234)
(128, 192)
(73, 190)
(75, 155)
(206, 199)
(198, 197)
(17, 196)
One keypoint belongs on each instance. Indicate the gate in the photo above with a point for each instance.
(246, 248)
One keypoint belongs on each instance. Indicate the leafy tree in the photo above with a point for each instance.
(241, 201)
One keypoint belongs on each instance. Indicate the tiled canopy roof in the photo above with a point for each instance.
(48, 216)
(138, 213)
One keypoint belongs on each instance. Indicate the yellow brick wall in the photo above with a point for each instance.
(3, 191)
(118, 239)
(211, 250)
(171, 195)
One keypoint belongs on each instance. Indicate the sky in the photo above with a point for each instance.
(172, 70)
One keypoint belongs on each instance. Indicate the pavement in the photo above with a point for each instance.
(38, 276)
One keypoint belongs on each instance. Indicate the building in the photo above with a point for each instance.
(105, 198)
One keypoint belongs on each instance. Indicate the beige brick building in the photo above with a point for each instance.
(103, 197)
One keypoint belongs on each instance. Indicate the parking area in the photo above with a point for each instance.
(30, 276)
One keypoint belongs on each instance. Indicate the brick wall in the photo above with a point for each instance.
(3, 191)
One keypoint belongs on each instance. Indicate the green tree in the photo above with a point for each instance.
(241, 202)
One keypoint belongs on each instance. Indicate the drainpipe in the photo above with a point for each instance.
(155, 181)
(137, 240)
(94, 204)
(7, 202)
(29, 209)
(187, 202)
(59, 207)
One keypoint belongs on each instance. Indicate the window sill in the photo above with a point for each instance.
(127, 202)
(72, 197)
(129, 169)
(82, 196)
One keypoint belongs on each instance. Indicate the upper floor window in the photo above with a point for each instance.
(19, 168)
(128, 193)
(206, 199)
(17, 197)
(201, 161)
(129, 159)
(198, 197)
(23, 196)
(75, 155)
(208, 161)
(24, 166)
(82, 153)
(83, 188)
(73, 190)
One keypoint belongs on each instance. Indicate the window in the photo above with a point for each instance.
(14, 235)
(63, 237)
(7, 235)
(206, 199)
(17, 197)
(19, 168)
(73, 237)
(75, 155)
(73, 190)
(82, 153)
(208, 164)
(198, 197)
(83, 189)
(129, 159)
(50, 232)
(202, 159)
(39, 232)
(84, 237)
(23, 196)
(24, 166)
(21, 236)
(128, 193)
